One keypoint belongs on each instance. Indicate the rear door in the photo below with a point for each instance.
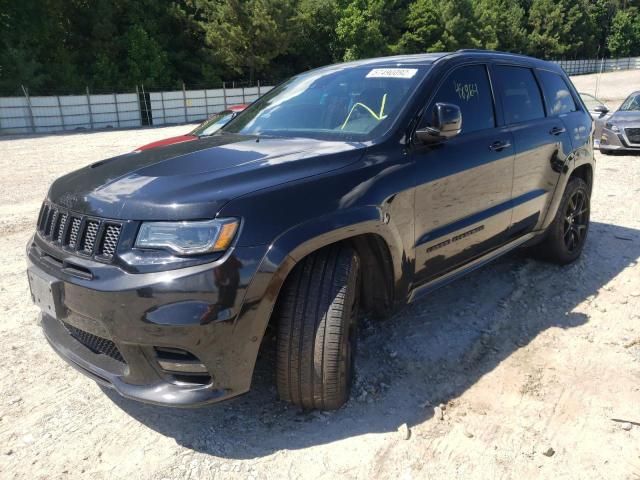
(463, 185)
(542, 144)
(563, 104)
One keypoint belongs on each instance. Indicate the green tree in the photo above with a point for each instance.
(437, 26)
(359, 30)
(561, 28)
(499, 25)
(313, 34)
(624, 39)
(146, 62)
(601, 13)
(245, 35)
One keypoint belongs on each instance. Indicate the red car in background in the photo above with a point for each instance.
(208, 127)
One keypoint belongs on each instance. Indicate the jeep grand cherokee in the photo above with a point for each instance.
(361, 185)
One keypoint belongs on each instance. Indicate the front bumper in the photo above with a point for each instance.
(611, 141)
(116, 326)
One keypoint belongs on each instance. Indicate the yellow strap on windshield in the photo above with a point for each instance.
(380, 116)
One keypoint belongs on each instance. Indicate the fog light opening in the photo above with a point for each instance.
(182, 366)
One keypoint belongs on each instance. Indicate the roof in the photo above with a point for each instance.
(425, 59)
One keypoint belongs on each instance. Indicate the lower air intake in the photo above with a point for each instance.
(94, 343)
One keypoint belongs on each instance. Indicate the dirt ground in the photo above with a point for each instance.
(520, 370)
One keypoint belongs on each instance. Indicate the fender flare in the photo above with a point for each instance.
(576, 162)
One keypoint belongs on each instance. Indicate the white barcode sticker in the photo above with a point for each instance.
(392, 73)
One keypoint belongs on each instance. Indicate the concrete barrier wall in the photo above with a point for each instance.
(583, 67)
(45, 114)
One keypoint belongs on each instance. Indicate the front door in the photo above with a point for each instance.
(463, 185)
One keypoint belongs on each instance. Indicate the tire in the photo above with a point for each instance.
(567, 234)
(317, 322)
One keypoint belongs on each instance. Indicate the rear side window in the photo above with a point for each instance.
(468, 88)
(518, 89)
(557, 93)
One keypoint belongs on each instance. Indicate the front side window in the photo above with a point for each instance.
(631, 104)
(557, 94)
(213, 124)
(335, 103)
(468, 88)
(519, 92)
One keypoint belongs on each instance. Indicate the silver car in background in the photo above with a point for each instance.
(621, 130)
(599, 113)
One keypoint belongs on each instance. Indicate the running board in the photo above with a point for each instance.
(429, 287)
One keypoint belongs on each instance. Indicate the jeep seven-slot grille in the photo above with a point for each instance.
(94, 343)
(94, 237)
(110, 240)
(633, 134)
(89, 237)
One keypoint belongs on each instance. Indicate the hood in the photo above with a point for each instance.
(168, 141)
(624, 118)
(193, 180)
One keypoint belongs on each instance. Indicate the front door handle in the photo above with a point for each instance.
(498, 146)
(557, 130)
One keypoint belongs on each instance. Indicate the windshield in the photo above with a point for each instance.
(340, 103)
(213, 123)
(631, 104)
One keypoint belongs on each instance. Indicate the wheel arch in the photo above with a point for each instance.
(378, 244)
(364, 230)
(585, 172)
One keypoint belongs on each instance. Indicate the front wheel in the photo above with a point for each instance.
(317, 320)
(567, 234)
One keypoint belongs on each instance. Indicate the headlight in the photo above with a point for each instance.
(612, 127)
(188, 238)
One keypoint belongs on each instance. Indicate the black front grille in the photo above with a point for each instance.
(94, 343)
(88, 236)
(110, 240)
(633, 134)
(73, 232)
(62, 223)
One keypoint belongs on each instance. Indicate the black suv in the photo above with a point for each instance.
(354, 187)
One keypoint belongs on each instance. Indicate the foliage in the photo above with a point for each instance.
(107, 45)
(561, 28)
(624, 39)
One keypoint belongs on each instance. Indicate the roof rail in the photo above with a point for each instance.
(480, 50)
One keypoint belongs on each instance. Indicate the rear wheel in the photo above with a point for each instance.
(567, 234)
(317, 323)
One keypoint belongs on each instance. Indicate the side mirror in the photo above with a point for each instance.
(446, 123)
(601, 109)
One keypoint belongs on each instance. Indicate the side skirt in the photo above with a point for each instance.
(449, 277)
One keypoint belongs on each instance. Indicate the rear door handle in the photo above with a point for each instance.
(498, 146)
(557, 130)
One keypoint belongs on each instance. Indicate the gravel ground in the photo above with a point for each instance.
(520, 370)
(611, 88)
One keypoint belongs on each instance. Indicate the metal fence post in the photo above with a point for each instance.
(147, 108)
(115, 101)
(26, 95)
(184, 98)
(224, 94)
(89, 107)
(60, 110)
(258, 88)
(139, 104)
(206, 103)
(164, 113)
